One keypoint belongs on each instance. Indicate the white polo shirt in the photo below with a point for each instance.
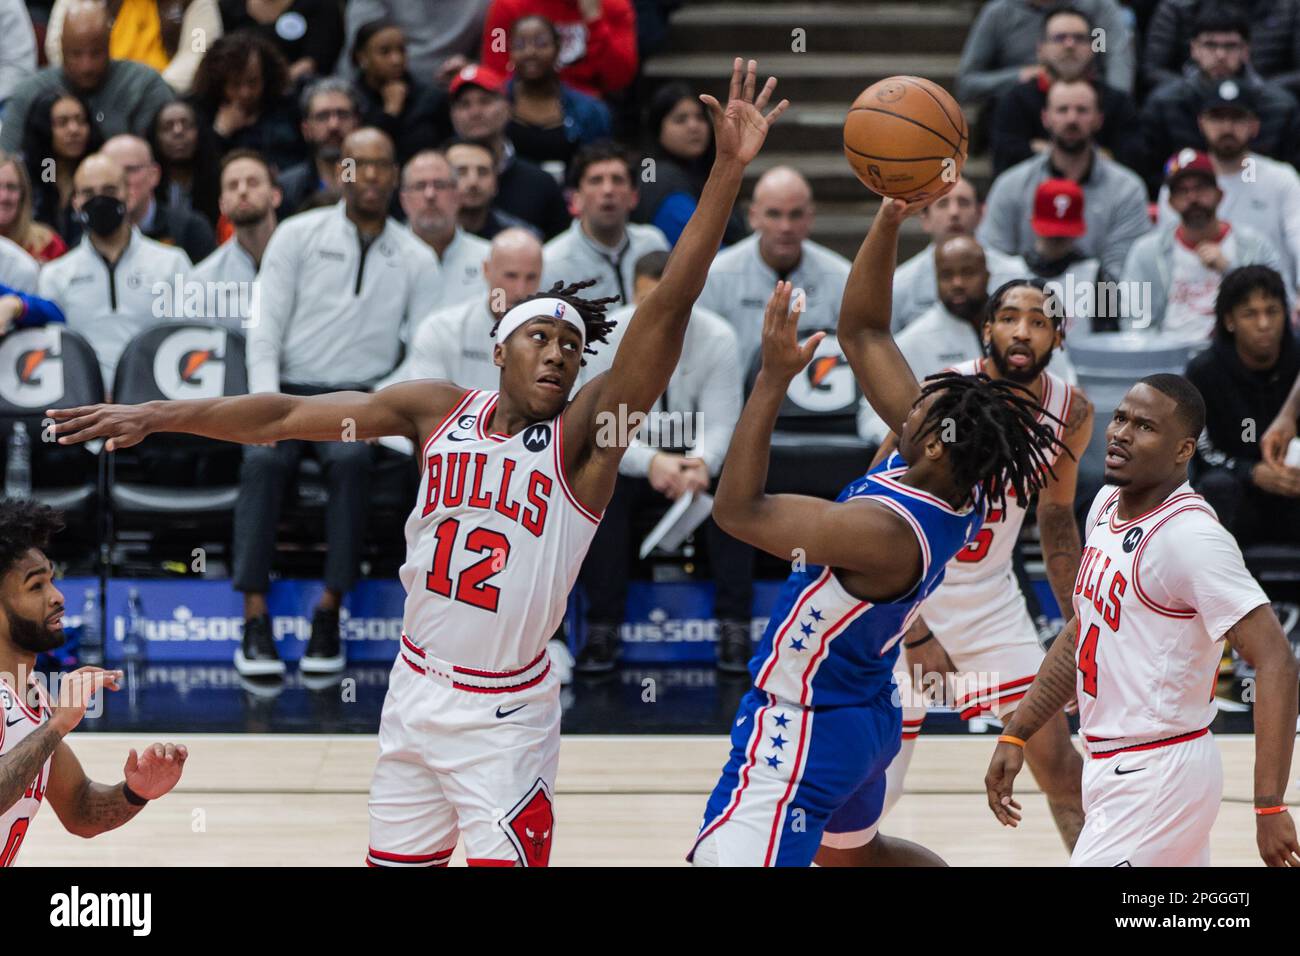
(740, 283)
(462, 267)
(227, 277)
(454, 344)
(111, 306)
(573, 256)
(327, 313)
(18, 269)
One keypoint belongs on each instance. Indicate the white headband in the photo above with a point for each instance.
(541, 309)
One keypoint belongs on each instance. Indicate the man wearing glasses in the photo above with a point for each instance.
(330, 111)
(432, 208)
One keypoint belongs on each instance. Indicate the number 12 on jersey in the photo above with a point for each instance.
(471, 586)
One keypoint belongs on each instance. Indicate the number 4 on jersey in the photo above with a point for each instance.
(1088, 660)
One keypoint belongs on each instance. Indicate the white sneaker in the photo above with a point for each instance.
(561, 660)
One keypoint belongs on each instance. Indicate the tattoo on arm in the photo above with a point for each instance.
(102, 807)
(1052, 688)
(19, 767)
(1061, 551)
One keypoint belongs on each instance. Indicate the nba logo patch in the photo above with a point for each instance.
(530, 825)
(559, 310)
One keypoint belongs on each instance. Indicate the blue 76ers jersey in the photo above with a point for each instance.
(825, 647)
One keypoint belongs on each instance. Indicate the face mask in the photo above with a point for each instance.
(102, 215)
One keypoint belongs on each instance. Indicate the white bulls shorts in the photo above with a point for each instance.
(461, 757)
(1151, 807)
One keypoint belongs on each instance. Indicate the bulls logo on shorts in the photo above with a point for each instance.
(1131, 540)
(537, 437)
(530, 826)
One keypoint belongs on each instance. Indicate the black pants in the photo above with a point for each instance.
(604, 572)
(265, 475)
(1253, 516)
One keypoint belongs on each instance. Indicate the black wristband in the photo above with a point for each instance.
(928, 637)
(132, 797)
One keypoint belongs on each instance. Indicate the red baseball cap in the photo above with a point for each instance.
(483, 77)
(1058, 209)
(1187, 162)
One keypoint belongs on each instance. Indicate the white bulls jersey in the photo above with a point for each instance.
(494, 542)
(19, 721)
(1154, 596)
(976, 579)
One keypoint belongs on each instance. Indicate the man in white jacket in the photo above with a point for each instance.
(679, 451)
(338, 288)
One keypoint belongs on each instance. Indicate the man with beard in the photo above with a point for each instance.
(975, 633)
(331, 110)
(431, 201)
(1064, 53)
(249, 195)
(1161, 585)
(36, 763)
(161, 221)
(476, 190)
(1258, 192)
(1115, 198)
(1183, 266)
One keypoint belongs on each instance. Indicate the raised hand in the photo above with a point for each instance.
(122, 425)
(896, 210)
(74, 693)
(783, 356)
(740, 129)
(154, 772)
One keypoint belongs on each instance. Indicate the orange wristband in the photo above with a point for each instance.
(1269, 811)
(1008, 739)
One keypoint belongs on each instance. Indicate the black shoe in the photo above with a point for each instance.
(324, 654)
(601, 651)
(734, 647)
(256, 656)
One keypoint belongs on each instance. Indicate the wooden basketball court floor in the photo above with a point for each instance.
(285, 800)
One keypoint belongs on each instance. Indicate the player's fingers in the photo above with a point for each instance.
(765, 94)
(159, 751)
(169, 752)
(751, 81)
(713, 106)
(737, 78)
(132, 761)
(777, 111)
(809, 347)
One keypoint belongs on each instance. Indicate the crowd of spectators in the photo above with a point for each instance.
(395, 174)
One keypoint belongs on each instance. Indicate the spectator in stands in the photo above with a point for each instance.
(18, 54)
(1258, 192)
(1274, 53)
(1059, 223)
(474, 167)
(412, 112)
(1245, 376)
(480, 112)
(16, 221)
(955, 214)
(601, 243)
(240, 92)
(1220, 74)
(18, 269)
(338, 288)
(682, 154)
(122, 96)
(249, 197)
(59, 128)
(1064, 53)
(170, 225)
(455, 342)
(549, 120)
(308, 33)
(441, 35)
(598, 40)
(431, 205)
(948, 332)
(188, 160)
(106, 284)
(741, 278)
(1183, 266)
(661, 467)
(1000, 49)
(331, 109)
(1115, 199)
(166, 35)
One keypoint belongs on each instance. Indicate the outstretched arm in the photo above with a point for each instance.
(652, 344)
(880, 368)
(1259, 639)
(87, 809)
(409, 409)
(1057, 527)
(790, 526)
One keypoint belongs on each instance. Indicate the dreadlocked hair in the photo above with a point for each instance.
(25, 524)
(992, 434)
(591, 311)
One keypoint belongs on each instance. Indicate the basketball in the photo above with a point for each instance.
(902, 134)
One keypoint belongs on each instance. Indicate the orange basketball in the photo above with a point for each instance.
(901, 136)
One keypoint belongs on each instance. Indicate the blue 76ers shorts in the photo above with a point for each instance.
(790, 769)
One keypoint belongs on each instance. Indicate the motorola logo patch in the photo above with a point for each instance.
(537, 437)
(1131, 539)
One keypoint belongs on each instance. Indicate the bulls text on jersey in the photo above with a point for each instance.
(458, 479)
